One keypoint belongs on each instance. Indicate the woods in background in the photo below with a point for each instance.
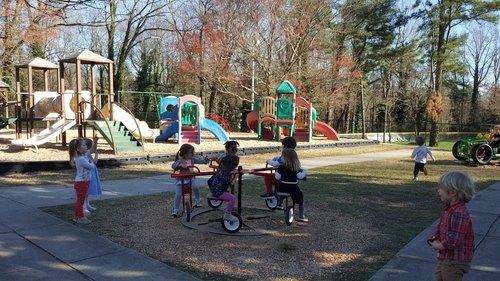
(392, 65)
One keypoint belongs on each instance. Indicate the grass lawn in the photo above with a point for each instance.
(442, 145)
(147, 170)
(360, 215)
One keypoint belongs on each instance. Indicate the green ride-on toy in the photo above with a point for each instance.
(477, 149)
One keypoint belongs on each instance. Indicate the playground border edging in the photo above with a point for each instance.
(33, 166)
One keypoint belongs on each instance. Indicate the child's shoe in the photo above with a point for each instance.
(302, 218)
(90, 208)
(209, 195)
(175, 214)
(230, 218)
(197, 203)
(86, 211)
(83, 220)
(415, 179)
(265, 195)
(425, 171)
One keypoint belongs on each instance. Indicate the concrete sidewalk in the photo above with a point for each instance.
(37, 246)
(417, 261)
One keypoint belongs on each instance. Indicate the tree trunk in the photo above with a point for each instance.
(440, 50)
(363, 128)
(475, 94)
(213, 92)
(111, 30)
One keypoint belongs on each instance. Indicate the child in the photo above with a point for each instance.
(77, 155)
(95, 181)
(183, 160)
(220, 182)
(494, 136)
(420, 155)
(454, 237)
(231, 149)
(288, 173)
(287, 143)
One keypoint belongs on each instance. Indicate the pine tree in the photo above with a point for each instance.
(439, 20)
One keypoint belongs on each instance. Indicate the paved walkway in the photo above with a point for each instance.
(37, 246)
(417, 261)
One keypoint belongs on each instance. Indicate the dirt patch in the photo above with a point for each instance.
(317, 250)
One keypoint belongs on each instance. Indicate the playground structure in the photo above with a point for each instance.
(4, 104)
(287, 115)
(234, 226)
(80, 108)
(478, 149)
(192, 120)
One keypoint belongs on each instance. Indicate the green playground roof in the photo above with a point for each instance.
(285, 87)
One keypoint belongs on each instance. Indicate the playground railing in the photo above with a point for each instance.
(83, 103)
(135, 120)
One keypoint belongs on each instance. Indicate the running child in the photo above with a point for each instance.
(84, 166)
(288, 173)
(220, 183)
(95, 181)
(183, 161)
(454, 236)
(270, 181)
(420, 155)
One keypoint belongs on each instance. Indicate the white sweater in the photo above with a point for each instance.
(83, 168)
(420, 154)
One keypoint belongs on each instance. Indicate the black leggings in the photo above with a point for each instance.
(294, 190)
(418, 167)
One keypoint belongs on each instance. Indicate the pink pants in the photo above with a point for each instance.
(81, 188)
(230, 198)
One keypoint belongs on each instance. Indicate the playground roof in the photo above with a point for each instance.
(285, 87)
(87, 57)
(39, 63)
(3, 85)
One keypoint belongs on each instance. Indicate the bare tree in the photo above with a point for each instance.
(479, 54)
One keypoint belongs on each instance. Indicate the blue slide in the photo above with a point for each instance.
(168, 132)
(215, 128)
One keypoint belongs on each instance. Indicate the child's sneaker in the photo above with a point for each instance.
(83, 220)
(266, 195)
(86, 211)
(175, 214)
(229, 217)
(415, 179)
(425, 171)
(197, 203)
(90, 208)
(302, 219)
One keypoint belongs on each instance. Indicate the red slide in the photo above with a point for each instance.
(326, 130)
(222, 122)
(252, 124)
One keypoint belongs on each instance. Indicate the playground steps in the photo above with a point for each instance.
(4, 122)
(190, 136)
(124, 141)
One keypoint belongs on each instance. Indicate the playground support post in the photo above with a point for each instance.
(240, 175)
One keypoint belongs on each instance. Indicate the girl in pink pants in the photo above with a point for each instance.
(221, 181)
